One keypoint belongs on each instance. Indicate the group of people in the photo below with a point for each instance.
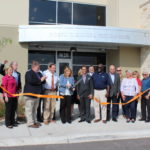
(106, 90)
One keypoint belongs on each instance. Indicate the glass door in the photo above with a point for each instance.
(62, 64)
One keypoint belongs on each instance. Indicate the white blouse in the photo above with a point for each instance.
(129, 87)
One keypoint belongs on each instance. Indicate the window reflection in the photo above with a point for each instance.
(42, 11)
(64, 12)
(88, 14)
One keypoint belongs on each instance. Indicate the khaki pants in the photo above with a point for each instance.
(49, 106)
(31, 105)
(100, 110)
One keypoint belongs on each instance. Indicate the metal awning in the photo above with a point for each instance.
(84, 34)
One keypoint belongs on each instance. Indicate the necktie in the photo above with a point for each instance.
(52, 82)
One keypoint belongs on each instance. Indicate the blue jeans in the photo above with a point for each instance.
(130, 109)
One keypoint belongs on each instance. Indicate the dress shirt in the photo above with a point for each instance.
(48, 84)
(15, 75)
(129, 87)
(84, 78)
(112, 77)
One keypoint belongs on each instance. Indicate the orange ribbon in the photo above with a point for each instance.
(61, 97)
(130, 101)
(31, 94)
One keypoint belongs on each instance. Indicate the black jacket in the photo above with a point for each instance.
(33, 83)
(2, 71)
(85, 89)
(19, 87)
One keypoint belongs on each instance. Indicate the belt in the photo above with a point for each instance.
(52, 90)
(99, 89)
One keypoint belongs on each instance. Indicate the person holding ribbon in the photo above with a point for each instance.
(51, 87)
(33, 84)
(66, 89)
(129, 89)
(9, 84)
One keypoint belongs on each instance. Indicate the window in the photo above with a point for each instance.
(53, 12)
(88, 15)
(42, 12)
(81, 58)
(42, 57)
(64, 12)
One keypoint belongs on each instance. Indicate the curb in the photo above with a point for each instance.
(26, 141)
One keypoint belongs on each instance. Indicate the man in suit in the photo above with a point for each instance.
(114, 93)
(33, 84)
(85, 94)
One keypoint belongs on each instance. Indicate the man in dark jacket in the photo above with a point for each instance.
(85, 94)
(114, 93)
(2, 66)
(33, 84)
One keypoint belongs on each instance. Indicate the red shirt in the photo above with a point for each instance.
(10, 84)
(139, 82)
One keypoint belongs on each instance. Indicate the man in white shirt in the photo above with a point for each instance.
(50, 89)
(91, 70)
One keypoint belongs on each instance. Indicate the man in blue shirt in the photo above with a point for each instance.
(101, 93)
(145, 101)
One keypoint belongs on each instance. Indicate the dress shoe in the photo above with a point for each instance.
(38, 124)
(53, 121)
(33, 126)
(104, 121)
(88, 121)
(133, 120)
(82, 120)
(97, 120)
(40, 120)
(141, 119)
(115, 120)
(15, 125)
(10, 127)
(128, 120)
(147, 121)
(46, 122)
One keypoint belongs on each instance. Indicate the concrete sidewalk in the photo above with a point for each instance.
(56, 133)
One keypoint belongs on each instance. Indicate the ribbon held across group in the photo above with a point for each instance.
(61, 97)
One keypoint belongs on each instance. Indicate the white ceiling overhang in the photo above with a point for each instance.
(84, 34)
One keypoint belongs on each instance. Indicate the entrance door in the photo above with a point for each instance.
(62, 64)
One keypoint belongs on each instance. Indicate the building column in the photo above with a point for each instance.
(145, 58)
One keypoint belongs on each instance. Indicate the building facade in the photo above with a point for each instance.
(76, 32)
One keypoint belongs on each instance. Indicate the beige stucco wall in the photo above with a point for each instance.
(11, 50)
(129, 13)
(14, 12)
(120, 13)
(145, 59)
(113, 58)
(126, 57)
(130, 58)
